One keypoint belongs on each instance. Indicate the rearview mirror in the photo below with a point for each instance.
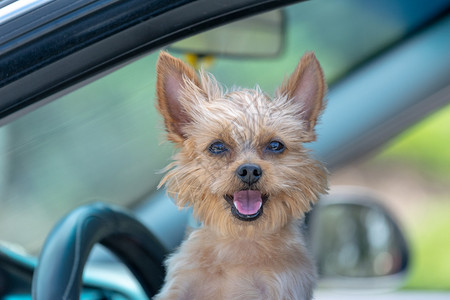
(258, 36)
(354, 237)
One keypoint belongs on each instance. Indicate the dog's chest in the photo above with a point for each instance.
(230, 283)
(241, 270)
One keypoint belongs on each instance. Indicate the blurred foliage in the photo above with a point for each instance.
(430, 244)
(425, 148)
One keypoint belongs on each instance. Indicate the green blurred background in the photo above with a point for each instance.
(424, 151)
(412, 176)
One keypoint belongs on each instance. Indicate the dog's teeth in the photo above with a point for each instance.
(260, 204)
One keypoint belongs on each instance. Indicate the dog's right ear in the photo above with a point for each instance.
(175, 80)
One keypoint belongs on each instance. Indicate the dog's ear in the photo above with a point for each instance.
(175, 80)
(306, 87)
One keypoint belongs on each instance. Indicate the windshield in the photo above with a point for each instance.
(104, 142)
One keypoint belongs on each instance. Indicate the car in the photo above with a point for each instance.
(81, 149)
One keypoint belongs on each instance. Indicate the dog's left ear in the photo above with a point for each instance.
(306, 86)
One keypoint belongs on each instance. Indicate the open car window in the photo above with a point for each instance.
(103, 142)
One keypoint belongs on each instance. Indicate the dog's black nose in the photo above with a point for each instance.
(249, 173)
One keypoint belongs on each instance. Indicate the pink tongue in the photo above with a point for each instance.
(247, 202)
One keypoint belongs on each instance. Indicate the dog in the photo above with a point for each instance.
(242, 167)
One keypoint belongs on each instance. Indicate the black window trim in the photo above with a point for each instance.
(92, 38)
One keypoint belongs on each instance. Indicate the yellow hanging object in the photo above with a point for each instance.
(199, 61)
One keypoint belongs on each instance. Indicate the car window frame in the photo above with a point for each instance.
(39, 63)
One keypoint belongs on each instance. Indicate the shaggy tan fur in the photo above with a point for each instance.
(229, 258)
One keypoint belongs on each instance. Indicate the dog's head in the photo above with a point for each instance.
(241, 164)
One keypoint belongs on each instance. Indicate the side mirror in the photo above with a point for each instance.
(356, 242)
(259, 36)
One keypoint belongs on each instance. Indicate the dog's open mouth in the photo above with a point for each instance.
(246, 205)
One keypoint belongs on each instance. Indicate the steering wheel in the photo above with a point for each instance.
(58, 274)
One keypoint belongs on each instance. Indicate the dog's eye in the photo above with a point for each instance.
(217, 148)
(275, 146)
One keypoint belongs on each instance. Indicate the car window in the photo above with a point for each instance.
(104, 141)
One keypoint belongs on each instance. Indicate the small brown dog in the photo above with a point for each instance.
(242, 168)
